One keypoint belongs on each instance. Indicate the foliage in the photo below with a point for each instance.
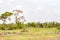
(21, 25)
(4, 16)
(16, 14)
(12, 26)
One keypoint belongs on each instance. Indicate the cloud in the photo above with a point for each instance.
(9, 1)
(20, 7)
(45, 9)
(1, 1)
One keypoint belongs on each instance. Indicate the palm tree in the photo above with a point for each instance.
(16, 14)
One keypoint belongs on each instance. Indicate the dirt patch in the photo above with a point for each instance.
(56, 38)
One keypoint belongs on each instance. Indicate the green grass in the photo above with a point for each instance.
(32, 34)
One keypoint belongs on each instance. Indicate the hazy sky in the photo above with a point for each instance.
(34, 10)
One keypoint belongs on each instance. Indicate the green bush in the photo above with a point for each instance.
(11, 26)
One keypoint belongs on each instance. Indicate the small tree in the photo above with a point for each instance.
(4, 16)
(16, 14)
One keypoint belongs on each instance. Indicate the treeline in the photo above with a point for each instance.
(21, 25)
(44, 25)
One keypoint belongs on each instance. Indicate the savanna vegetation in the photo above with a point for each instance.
(33, 30)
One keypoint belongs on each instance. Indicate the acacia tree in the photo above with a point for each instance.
(4, 16)
(16, 15)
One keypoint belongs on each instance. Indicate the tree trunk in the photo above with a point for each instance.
(4, 21)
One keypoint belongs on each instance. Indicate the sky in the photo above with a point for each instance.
(33, 10)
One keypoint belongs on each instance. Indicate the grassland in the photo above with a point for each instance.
(32, 34)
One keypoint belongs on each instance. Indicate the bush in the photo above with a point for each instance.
(11, 26)
(58, 28)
